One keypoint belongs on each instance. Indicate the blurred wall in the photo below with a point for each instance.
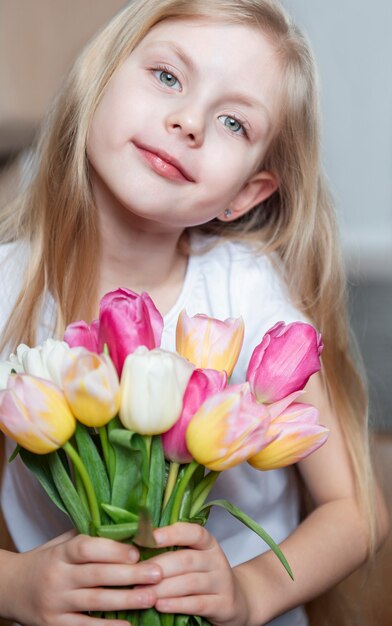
(352, 42)
(39, 39)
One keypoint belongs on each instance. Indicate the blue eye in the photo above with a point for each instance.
(168, 79)
(231, 123)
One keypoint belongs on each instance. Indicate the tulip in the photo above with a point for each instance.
(296, 434)
(43, 361)
(229, 427)
(128, 320)
(35, 414)
(202, 384)
(91, 386)
(284, 361)
(153, 383)
(208, 342)
(12, 364)
(81, 334)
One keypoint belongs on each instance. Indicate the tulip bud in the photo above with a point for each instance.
(210, 343)
(91, 386)
(228, 428)
(80, 334)
(296, 434)
(202, 384)
(153, 383)
(284, 361)
(35, 414)
(128, 320)
(43, 361)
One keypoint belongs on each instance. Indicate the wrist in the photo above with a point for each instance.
(244, 598)
(10, 583)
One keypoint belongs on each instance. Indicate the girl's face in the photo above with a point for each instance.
(184, 123)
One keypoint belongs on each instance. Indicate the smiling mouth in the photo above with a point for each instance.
(164, 164)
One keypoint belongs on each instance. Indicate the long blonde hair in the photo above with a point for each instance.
(57, 216)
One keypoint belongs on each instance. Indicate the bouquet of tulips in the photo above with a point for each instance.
(125, 436)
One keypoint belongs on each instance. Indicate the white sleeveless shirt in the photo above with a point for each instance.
(227, 281)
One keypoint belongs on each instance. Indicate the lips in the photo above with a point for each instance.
(164, 163)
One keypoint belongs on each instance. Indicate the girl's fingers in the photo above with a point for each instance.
(115, 575)
(101, 599)
(185, 534)
(84, 549)
(188, 605)
(186, 585)
(184, 561)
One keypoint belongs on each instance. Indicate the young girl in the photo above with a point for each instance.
(182, 158)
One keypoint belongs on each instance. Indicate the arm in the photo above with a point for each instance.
(324, 549)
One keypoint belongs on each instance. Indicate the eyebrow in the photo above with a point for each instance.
(243, 98)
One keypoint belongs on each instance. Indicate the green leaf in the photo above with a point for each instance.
(250, 523)
(130, 450)
(118, 515)
(69, 495)
(156, 480)
(165, 517)
(150, 617)
(95, 466)
(39, 466)
(119, 532)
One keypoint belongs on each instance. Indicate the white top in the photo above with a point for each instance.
(226, 281)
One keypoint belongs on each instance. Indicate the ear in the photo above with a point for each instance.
(258, 188)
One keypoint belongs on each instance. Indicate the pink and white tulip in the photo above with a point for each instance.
(202, 384)
(229, 428)
(35, 414)
(210, 343)
(284, 361)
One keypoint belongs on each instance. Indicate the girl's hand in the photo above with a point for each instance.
(197, 580)
(55, 583)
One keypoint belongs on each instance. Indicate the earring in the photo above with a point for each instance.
(227, 213)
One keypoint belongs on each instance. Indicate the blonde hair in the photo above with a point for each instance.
(57, 216)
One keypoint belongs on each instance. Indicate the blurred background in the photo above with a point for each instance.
(352, 42)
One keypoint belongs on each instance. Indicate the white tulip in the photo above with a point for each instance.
(44, 361)
(153, 383)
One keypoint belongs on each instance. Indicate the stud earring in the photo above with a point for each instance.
(227, 213)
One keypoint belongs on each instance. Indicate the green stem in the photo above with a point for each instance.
(202, 491)
(107, 452)
(192, 467)
(79, 465)
(148, 442)
(171, 481)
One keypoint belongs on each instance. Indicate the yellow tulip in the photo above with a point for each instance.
(35, 414)
(209, 343)
(91, 386)
(296, 434)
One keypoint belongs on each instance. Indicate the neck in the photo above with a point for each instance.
(139, 256)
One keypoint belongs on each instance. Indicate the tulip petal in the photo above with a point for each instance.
(294, 442)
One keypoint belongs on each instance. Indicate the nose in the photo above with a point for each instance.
(187, 123)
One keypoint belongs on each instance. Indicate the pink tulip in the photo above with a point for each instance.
(202, 384)
(208, 342)
(128, 320)
(284, 361)
(229, 428)
(296, 434)
(80, 334)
